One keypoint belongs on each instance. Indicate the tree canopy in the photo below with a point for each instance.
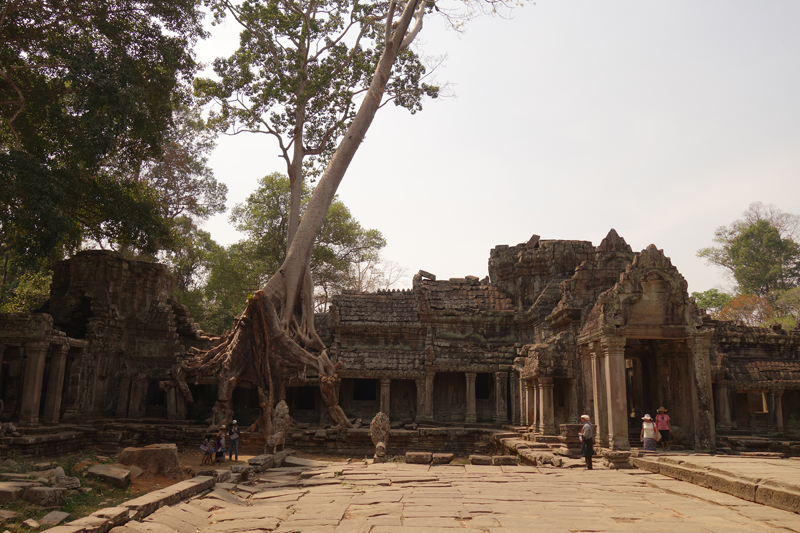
(87, 88)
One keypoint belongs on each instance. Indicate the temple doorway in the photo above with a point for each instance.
(658, 373)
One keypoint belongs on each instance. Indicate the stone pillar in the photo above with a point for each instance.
(429, 395)
(123, 396)
(35, 353)
(472, 410)
(181, 409)
(723, 405)
(500, 391)
(600, 405)
(616, 398)
(138, 396)
(514, 384)
(386, 387)
(55, 384)
(420, 399)
(703, 402)
(548, 410)
(172, 403)
(530, 403)
(777, 410)
(536, 409)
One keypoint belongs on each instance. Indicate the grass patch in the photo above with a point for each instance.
(92, 496)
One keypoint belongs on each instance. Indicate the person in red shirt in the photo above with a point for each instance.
(664, 426)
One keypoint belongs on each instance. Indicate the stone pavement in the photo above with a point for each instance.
(405, 498)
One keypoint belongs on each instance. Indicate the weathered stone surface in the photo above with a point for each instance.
(45, 496)
(442, 458)
(508, 460)
(10, 491)
(66, 482)
(31, 524)
(7, 515)
(480, 460)
(154, 460)
(53, 518)
(379, 432)
(114, 475)
(419, 458)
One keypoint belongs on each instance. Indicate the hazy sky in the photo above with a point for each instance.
(663, 120)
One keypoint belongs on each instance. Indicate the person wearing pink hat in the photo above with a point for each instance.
(648, 434)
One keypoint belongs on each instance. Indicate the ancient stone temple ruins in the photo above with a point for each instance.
(559, 328)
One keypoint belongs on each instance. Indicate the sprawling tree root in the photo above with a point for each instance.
(260, 351)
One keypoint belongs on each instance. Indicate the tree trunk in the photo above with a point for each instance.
(275, 338)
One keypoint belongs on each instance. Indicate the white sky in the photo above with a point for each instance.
(663, 120)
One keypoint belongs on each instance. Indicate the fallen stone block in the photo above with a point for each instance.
(66, 482)
(442, 458)
(154, 460)
(480, 460)
(53, 518)
(113, 475)
(10, 492)
(67, 529)
(45, 496)
(7, 515)
(31, 523)
(419, 458)
(504, 460)
(261, 460)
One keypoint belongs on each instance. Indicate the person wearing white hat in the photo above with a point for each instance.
(648, 434)
(587, 440)
(233, 433)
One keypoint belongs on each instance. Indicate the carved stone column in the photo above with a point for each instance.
(55, 384)
(386, 384)
(535, 398)
(471, 415)
(703, 403)
(616, 399)
(420, 399)
(548, 413)
(500, 391)
(123, 396)
(723, 405)
(600, 405)
(429, 395)
(35, 353)
(777, 410)
(514, 394)
(172, 403)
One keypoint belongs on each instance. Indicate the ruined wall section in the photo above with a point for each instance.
(532, 273)
(126, 311)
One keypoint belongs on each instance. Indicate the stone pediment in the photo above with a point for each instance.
(650, 300)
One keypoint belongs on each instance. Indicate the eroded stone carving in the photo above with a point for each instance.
(379, 431)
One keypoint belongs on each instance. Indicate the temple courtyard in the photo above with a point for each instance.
(357, 496)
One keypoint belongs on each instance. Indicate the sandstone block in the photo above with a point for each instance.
(66, 482)
(778, 497)
(31, 524)
(419, 458)
(480, 460)
(45, 496)
(442, 458)
(114, 475)
(154, 460)
(53, 518)
(745, 490)
(7, 515)
(260, 460)
(506, 460)
(10, 492)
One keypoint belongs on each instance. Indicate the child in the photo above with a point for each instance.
(220, 447)
(208, 450)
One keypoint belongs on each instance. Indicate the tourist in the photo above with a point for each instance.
(664, 426)
(648, 434)
(220, 447)
(587, 440)
(208, 448)
(221, 439)
(234, 435)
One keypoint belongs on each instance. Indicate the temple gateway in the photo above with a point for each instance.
(559, 328)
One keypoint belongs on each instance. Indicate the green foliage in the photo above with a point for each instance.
(236, 272)
(712, 300)
(31, 292)
(301, 68)
(759, 251)
(86, 84)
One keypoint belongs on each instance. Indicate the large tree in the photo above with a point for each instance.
(760, 251)
(275, 337)
(87, 87)
(236, 272)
